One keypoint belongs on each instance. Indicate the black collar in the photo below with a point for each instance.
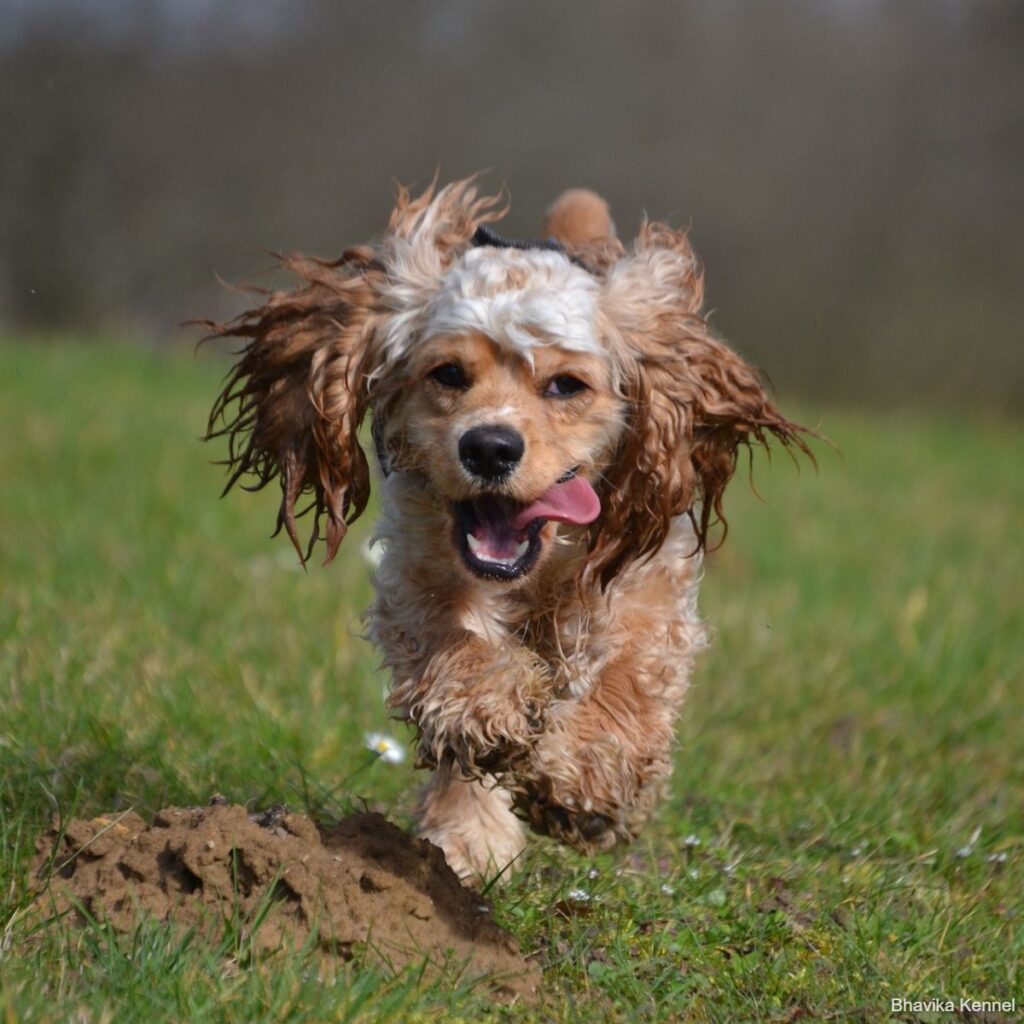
(484, 236)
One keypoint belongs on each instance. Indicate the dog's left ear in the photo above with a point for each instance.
(693, 403)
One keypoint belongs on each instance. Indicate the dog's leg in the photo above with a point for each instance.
(473, 823)
(603, 761)
(600, 767)
(473, 704)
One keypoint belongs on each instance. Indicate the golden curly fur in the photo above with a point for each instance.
(556, 427)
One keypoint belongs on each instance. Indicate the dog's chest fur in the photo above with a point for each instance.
(575, 629)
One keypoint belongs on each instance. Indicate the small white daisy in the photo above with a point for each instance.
(373, 552)
(386, 748)
(969, 847)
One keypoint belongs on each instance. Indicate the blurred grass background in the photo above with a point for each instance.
(845, 822)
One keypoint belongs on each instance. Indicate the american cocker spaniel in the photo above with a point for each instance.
(555, 426)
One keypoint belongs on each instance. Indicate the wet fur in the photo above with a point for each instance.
(551, 698)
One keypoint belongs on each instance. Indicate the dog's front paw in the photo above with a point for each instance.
(589, 795)
(569, 817)
(486, 734)
(586, 831)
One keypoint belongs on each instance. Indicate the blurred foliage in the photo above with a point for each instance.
(851, 168)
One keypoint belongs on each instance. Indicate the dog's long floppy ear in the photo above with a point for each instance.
(693, 403)
(292, 405)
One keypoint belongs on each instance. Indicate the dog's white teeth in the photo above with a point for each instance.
(478, 550)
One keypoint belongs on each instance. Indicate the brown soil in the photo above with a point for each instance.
(361, 888)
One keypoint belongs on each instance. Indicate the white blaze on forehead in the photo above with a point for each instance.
(519, 299)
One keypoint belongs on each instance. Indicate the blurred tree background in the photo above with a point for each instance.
(851, 168)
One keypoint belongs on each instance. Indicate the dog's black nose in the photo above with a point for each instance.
(491, 452)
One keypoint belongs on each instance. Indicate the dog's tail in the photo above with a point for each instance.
(579, 217)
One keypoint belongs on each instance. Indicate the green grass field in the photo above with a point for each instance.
(847, 823)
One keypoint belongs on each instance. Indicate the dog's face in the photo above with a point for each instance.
(508, 408)
(510, 442)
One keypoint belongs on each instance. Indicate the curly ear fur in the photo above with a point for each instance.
(293, 403)
(694, 402)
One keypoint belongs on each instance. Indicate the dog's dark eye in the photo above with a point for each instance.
(450, 375)
(563, 386)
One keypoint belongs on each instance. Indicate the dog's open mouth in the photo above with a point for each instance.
(499, 539)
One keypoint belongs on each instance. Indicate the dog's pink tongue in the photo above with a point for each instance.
(571, 502)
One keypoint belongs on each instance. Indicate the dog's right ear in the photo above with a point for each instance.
(292, 405)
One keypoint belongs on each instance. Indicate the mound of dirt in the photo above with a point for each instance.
(361, 888)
